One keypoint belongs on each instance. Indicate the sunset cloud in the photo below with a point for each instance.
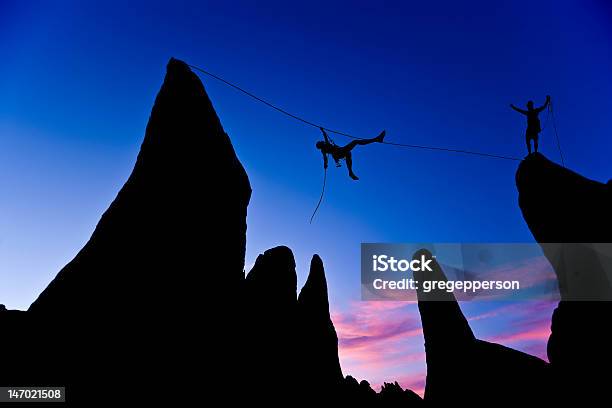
(383, 341)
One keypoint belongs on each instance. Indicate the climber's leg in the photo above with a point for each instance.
(528, 140)
(361, 142)
(349, 166)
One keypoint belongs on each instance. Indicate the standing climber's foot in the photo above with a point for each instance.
(353, 176)
(380, 138)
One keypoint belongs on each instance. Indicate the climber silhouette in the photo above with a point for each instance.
(533, 122)
(344, 152)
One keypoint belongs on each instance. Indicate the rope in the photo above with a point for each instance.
(552, 114)
(307, 122)
(547, 118)
(320, 198)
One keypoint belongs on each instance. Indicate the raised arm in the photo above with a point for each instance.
(541, 108)
(524, 112)
(325, 135)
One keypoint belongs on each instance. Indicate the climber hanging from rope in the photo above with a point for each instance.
(533, 122)
(344, 152)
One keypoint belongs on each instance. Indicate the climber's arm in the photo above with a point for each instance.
(524, 112)
(325, 135)
(324, 160)
(541, 108)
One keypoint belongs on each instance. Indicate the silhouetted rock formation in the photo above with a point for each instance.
(157, 304)
(10, 318)
(464, 370)
(562, 206)
(316, 331)
(292, 344)
(559, 206)
(392, 395)
(358, 393)
(270, 318)
(139, 304)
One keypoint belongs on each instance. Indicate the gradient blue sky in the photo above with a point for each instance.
(78, 79)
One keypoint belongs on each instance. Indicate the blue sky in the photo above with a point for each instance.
(78, 80)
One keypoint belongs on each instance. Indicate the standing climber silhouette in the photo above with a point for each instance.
(344, 152)
(533, 122)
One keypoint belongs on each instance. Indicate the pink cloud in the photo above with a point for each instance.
(528, 328)
(382, 342)
(530, 272)
(486, 315)
(373, 323)
(415, 383)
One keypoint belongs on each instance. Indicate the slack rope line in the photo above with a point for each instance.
(307, 122)
(551, 113)
(320, 198)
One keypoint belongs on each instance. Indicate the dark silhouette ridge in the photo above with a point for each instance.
(317, 332)
(560, 205)
(156, 223)
(135, 304)
(293, 343)
(157, 303)
(271, 326)
(392, 395)
(464, 370)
